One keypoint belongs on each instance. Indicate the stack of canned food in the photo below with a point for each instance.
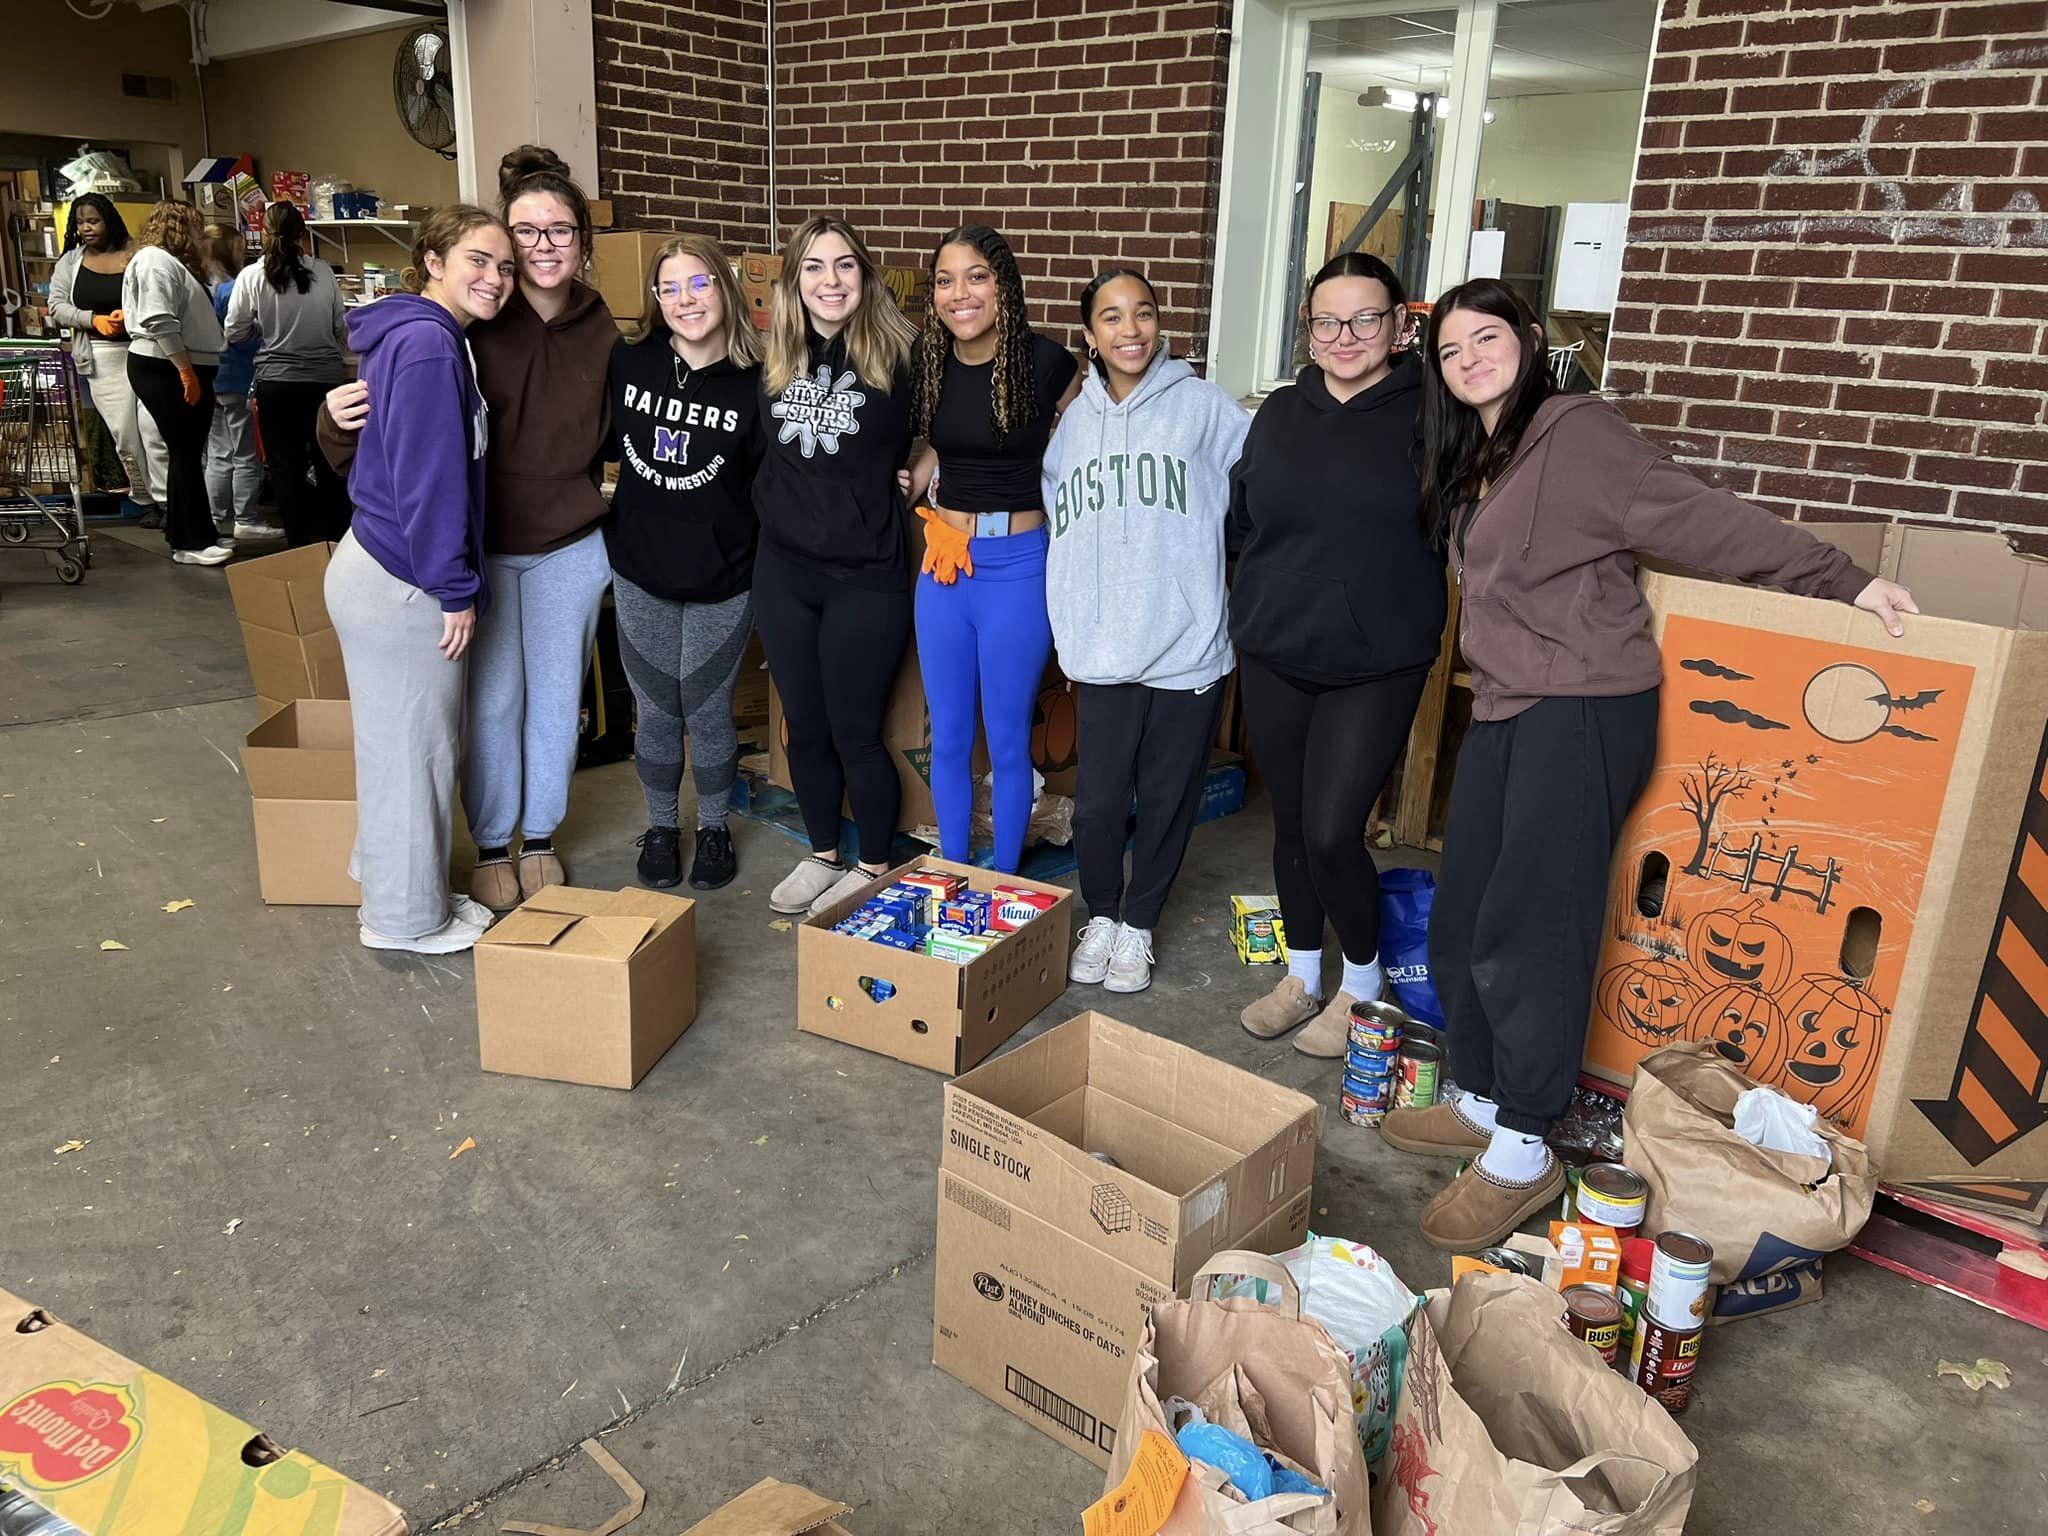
(1393, 1062)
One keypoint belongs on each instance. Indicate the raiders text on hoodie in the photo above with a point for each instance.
(688, 441)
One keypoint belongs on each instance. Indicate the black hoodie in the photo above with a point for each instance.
(1335, 582)
(827, 492)
(688, 441)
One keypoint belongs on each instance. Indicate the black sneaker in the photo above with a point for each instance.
(715, 864)
(661, 859)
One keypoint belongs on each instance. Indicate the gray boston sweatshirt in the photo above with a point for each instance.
(1136, 492)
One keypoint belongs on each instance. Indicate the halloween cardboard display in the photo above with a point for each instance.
(1838, 874)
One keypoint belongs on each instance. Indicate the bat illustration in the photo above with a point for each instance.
(1730, 713)
(1920, 700)
(1901, 731)
(1709, 668)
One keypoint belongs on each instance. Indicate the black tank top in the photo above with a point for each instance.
(99, 292)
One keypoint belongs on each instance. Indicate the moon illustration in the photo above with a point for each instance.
(1846, 702)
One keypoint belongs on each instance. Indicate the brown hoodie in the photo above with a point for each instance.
(1546, 561)
(548, 423)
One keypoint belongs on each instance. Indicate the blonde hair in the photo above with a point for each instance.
(440, 231)
(175, 227)
(878, 338)
(742, 346)
(225, 251)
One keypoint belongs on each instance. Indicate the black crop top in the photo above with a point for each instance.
(978, 473)
(96, 292)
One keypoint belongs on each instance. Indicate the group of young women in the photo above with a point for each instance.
(1087, 511)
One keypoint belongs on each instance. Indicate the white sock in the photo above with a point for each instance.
(1517, 1158)
(1306, 967)
(1365, 982)
(1481, 1112)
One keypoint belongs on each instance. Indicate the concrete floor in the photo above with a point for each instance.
(448, 1331)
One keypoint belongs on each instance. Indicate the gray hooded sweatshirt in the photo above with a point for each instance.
(1136, 493)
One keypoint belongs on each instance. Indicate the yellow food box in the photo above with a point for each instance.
(1256, 932)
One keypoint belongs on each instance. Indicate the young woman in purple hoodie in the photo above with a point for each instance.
(1543, 500)
(406, 584)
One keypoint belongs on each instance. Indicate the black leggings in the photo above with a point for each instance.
(1324, 752)
(313, 513)
(188, 511)
(834, 649)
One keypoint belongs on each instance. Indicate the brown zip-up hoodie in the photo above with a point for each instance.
(1546, 561)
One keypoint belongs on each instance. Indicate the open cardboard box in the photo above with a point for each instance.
(117, 1450)
(1839, 869)
(586, 986)
(1048, 1256)
(293, 650)
(301, 766)
(943, 1016)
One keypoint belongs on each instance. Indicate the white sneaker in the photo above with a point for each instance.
(804, 885)
(257, 533)
(213, 554)
(854, 878)
(1090, 962)
(472, 911)
(460, 932)
(1130, 960)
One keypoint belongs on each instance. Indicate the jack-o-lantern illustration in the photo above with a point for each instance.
(1733, 944)
(1835, 1033)
(1746, 1028)
(1648, 999)
(1053, 732)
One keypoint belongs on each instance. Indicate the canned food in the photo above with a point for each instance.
(1612, 1196)
(1364, 1101)
(1377, 1027)
(1105, 1159)
(1419, 1067)
(1636, 1259)
(1677, 1295)
(1512, 1260)
(1663, 1360)
(1594, 1315)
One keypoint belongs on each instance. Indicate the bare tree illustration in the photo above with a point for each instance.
(1704, 789)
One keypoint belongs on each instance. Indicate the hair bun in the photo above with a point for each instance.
(528, 160)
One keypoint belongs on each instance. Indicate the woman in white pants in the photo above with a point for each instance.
(85, 299)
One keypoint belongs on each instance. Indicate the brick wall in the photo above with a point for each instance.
(682, 115)
(1836, 282)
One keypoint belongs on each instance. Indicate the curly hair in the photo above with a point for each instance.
(1012, 398)
(175, 227)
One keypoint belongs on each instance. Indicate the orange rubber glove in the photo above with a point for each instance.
(946, 558)
(108, 325)
(190, 379)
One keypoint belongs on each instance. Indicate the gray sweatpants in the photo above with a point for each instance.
(526, 688)
(682, 660)
(233, 477)
(407, 701)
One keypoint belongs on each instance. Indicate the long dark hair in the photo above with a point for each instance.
(1458, 455)
(284, 248)
(1012, 399)
(536, 168)
(1096, 284)
(117, 227)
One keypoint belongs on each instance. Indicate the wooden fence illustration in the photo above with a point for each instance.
(1751, 867)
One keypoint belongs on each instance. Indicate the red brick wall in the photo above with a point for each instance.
(1836, 282)
(682, 115)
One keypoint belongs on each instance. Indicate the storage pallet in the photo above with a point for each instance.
(1991, 1260)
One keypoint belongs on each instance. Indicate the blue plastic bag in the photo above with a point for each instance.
(1406, 896)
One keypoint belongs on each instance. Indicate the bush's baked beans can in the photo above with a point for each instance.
(1662, 1361)
(1677, 1297)
(1610, 1195)
(1592, 1313)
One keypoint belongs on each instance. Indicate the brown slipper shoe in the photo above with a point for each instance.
(539, 869)
(1329, 1036)
(1436, 1131)
(1287, 1006)
(1478, 1210)
(494, 884)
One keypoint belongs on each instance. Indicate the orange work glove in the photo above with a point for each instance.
(945, 549)
(108, 325)
(190, 379)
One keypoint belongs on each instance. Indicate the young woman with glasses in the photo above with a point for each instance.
(541, 364)
(1337, 614)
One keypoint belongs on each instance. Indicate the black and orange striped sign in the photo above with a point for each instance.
(1996, 1097)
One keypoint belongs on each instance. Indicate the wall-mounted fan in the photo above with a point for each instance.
(423, 86)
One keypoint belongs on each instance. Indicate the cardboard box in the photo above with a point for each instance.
(586, 986)
(301, 766)
(1837, 871)
(293, 650)
(618, 268)
(759, 270)
(1048, 1257)
(770, 1508)
(117, 1450)
(943, 1015)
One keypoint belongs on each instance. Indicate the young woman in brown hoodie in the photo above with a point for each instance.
(1543, 500)
(541, 365)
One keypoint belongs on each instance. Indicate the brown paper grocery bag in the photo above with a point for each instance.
(1509, 1426)
(1253, 1367)
(1764, 1211)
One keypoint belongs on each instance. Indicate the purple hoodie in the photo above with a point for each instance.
(418, 477)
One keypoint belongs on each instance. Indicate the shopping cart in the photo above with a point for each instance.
(40, 506)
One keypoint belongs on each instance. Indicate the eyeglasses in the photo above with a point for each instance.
(558, 235)
(1365, 325)
(695, 283)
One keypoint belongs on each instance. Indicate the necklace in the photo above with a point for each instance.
(682, 369)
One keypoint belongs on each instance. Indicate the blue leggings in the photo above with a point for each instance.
(986, 635)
